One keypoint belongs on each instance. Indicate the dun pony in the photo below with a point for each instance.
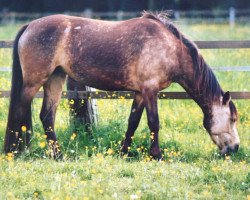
(144, 55)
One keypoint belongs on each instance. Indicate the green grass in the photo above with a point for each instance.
(93, 169)
(116, 178)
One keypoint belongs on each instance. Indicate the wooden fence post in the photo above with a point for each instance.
(81, 110)
(88, 13)
(119, 15)
(232, 17)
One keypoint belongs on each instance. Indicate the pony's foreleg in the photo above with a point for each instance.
(52, 95)
(150, 102)
(133, 122)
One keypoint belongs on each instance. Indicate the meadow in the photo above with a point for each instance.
(93, 168)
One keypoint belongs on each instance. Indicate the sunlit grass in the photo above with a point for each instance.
(114, 178)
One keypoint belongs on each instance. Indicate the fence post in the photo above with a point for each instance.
(151, 4)
(81, 110)
(232, 17)
(119, 15)
(177, 15)
(12, 18)
(88, 13)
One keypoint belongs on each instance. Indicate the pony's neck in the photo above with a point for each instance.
(202, 86)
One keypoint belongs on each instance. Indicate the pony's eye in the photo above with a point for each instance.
(233, 120)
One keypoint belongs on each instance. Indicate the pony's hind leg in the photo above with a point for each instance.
(133, 122)
(18, 131)
(52, 95)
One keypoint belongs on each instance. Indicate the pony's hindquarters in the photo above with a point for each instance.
(36, 59)
(32, 61)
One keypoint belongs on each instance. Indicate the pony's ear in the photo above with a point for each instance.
(226, 98)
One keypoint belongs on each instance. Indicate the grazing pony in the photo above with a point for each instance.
(144, 55)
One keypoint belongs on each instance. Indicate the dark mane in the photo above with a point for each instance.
(204, 77)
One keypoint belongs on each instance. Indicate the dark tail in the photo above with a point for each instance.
(17, 77)
(16, 87)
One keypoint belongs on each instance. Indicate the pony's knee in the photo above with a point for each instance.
(46, 117)
(153, 124)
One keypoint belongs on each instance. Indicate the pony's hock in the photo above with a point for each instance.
(144, 55)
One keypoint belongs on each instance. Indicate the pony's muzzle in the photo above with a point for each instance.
(230, 149)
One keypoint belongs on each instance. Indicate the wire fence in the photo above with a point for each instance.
(231, 16)
(200, 44)
(163, 95)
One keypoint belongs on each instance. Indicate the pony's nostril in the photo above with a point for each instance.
(236, 147)
(233, 149)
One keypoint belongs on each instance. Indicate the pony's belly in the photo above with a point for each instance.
(100, 78)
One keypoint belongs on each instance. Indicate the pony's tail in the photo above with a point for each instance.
(17, 77)
(16, 87)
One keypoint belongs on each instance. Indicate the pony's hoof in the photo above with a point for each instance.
(156, 154)
(157, 157)
(124, 148)
(58, 157)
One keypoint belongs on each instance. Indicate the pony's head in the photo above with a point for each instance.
(221, 125)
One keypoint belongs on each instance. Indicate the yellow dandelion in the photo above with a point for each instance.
(100, 191)
(99, 155)
(110, 151)
(73, 136)
(10, 195)
(67, 198)
(9, 158)
(24, 128)
(71, 101)
(206, 193)
(42, 144)
(9, 154)
(147, 159)
(243, 162)
(227, 157)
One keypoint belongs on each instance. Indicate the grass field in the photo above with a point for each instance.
(93, 169)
